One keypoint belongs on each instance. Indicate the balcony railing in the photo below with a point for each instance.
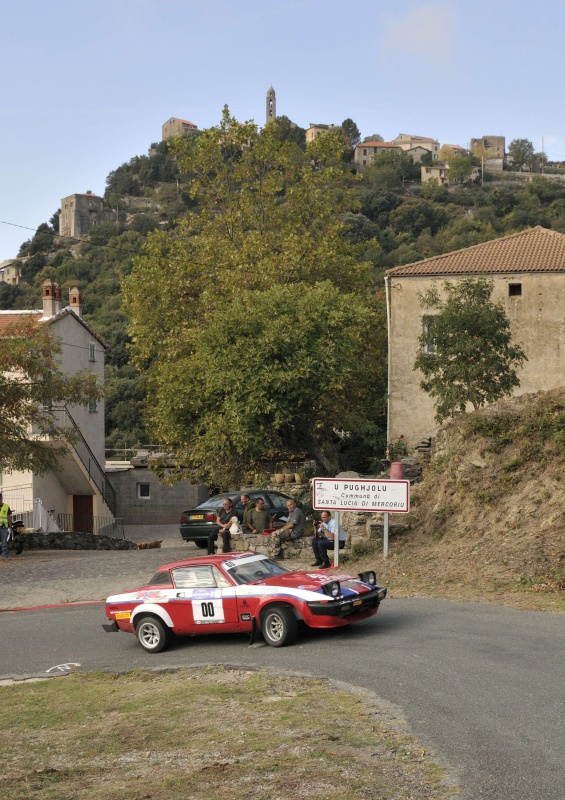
(100, 526)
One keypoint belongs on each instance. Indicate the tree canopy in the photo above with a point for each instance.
(261, 328)
(352, 132)
(466, 351)
(520, 152)
(31, 385)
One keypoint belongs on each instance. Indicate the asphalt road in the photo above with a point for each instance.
(481, 686)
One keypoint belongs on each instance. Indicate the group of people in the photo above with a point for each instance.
(257, 519)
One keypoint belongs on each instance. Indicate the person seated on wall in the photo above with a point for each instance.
(223, 519)
(293, 529)
(324, 540)
(258, 518)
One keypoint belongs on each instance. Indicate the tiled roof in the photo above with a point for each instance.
(534, 250)
(7, 319)
(378, 144)
(178, 119)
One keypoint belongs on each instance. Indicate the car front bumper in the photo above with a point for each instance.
(349, 606)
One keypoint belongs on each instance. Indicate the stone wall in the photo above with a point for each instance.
(264, 544)
(70, 540)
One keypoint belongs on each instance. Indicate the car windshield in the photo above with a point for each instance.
(253, 568)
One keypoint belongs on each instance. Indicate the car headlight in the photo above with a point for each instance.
(332, 589)
(382, 594)
(368, 577)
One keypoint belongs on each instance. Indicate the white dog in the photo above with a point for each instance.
(235, 527)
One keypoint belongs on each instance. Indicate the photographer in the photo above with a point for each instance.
(324, 540)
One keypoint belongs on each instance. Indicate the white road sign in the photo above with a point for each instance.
(349, 494)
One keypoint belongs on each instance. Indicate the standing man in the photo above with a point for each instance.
(223, 519)
(5, 525)
(324, 540)
(259, 518)
(293, 529)
(248, 506)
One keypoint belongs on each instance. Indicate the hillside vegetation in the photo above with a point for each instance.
(392, 220)
(489, 517)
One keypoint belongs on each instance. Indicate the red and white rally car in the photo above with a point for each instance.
(240, 592)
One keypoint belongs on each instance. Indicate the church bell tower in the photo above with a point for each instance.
(271, 105)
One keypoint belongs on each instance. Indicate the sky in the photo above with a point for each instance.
(87, 85)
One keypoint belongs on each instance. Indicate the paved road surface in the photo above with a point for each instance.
(482, 686)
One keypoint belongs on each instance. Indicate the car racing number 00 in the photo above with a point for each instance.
(207, 611)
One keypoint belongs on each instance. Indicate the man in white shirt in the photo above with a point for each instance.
(324, 540)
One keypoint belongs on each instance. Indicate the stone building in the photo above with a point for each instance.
(315, 129)
(176, 127)
(80, 213)
(142, 500)
(270, 106)
(494, 151)
(365, 152)
(437, 172)
(408, 142)
(10, 271)
(528, 273)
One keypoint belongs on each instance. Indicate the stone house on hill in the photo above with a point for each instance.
(79, 494)
(176, 127)
(80, 213)
(365, 152)
(528, 273)
(409, 143)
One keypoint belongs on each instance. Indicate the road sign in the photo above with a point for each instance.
(357, 494)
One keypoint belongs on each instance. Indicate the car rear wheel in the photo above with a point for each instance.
(152, 634)
(201, 544)
(278, 626)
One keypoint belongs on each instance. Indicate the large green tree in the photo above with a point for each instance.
(466, 351)
(254, 317)
(31, 386)
(520, 152)
(349, 127)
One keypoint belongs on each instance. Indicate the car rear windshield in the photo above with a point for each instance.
(213, 502)
(254, 569)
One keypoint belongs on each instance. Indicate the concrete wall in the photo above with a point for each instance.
(165, 503)
(537, 323)
(75, 355)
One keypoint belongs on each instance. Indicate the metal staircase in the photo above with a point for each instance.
(88, 459)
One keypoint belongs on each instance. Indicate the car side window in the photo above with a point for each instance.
(205, 577)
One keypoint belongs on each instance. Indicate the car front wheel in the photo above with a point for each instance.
(152, 634)
(278, 626)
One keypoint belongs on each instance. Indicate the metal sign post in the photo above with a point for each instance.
(385, 536)
(336, 539)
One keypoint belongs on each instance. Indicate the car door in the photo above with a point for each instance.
(203, 600)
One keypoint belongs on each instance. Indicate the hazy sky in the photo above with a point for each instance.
(87, 85)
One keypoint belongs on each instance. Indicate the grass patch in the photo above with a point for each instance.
(202, 733)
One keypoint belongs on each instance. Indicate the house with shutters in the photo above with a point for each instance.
(527, 270)
(79, 495)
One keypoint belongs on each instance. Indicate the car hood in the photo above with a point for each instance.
(313, 581)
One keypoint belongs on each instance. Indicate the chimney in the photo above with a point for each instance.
(75, 300)
(49, 290)
(57, 295)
